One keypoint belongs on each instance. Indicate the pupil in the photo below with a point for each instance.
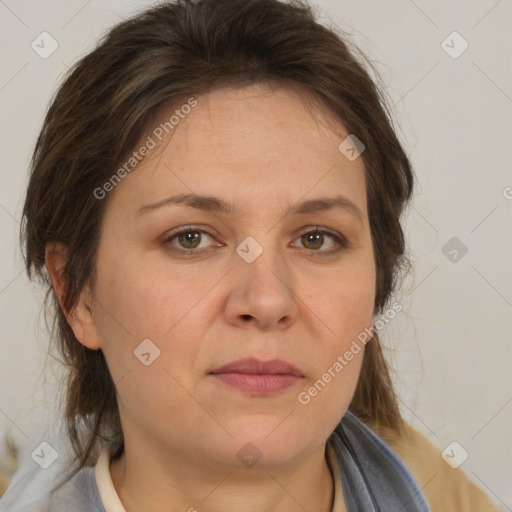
(189, 237)
(314, 239)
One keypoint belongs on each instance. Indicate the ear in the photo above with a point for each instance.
(80, 318)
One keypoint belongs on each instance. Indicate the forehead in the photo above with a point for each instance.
(253, 115)
(245, 143)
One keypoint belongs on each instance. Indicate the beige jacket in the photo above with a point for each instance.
(446, 489)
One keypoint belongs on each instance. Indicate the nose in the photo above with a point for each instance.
(262, 294)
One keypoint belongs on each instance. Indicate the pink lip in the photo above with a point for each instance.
(258, 377)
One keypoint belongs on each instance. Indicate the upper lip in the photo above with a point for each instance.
(255, 366)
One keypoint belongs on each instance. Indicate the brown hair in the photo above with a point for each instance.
(167, 53)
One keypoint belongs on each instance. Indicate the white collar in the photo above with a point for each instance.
(106, 489)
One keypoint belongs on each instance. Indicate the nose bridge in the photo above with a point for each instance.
(263, 262)
(264, 283)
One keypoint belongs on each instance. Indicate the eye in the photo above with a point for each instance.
(314, 239)
(189, 240)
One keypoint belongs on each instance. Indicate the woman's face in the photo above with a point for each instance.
(251, 282)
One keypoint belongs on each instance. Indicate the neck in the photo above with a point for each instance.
(147, 480)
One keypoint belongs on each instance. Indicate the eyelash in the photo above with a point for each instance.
(340, 240)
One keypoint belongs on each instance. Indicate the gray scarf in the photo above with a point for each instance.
(374, 479)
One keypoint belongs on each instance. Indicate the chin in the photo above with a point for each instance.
(264, 441)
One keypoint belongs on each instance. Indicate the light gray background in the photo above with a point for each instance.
(451, 346)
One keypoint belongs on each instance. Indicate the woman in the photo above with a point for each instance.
(216, 197)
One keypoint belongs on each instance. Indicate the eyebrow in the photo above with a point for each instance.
(213, 204)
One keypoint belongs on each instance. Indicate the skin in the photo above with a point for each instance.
(261, 150)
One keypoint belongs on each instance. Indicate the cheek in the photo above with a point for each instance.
(351, 309)
(160, 305)
(347, 310)
(137, 306)
(147, 302)
(346, 305)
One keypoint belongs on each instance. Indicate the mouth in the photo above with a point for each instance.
(258, 378)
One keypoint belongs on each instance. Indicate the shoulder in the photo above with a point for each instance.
(444, 488)
(32, 490)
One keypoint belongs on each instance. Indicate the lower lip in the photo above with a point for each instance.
(258, 384)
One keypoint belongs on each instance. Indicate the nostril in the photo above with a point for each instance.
(246, 317)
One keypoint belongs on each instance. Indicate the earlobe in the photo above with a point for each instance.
(83, 323)
(80, 318)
